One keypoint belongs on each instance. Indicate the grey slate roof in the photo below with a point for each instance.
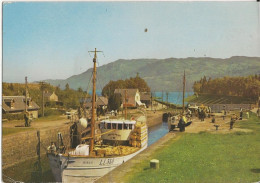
(18, 105)
(101, 101)
(129, 92)
(47, 94)
(145, 95)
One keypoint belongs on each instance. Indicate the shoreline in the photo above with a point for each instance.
(122, 170)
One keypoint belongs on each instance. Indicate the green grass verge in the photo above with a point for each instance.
(189, 98)
(49, 118)
(8, 131)
(220, 99)
(206, 157)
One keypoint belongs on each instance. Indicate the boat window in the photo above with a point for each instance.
(113, 125)
(101, 125)
(130, 126)
(108, 125)
(125, 126)
(120, 126)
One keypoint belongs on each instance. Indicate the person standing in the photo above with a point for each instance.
(213, 120)
(203, 115)
(232, 121)
(247, 115)
(181, 124)
(209, 110)
(241, 114)
(26, 119)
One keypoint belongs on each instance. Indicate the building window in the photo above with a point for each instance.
(120, 126)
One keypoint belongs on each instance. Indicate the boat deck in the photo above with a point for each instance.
(108, 151)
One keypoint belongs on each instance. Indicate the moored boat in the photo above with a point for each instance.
(99, 153)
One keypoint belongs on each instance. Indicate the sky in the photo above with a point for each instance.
(51, 40)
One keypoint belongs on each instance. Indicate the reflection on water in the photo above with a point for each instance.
(157, 132)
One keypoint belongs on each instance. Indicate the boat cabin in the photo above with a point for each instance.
(117, 125)
(117, 130)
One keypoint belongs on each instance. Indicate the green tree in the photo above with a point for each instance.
(114, 102)
(11, 87)
(67, 87)
(230, 86)
(136, 82)
(80, 90)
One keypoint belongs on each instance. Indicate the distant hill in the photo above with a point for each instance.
(165, 74)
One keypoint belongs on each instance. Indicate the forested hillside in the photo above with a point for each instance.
(165, 74)
(229, 86)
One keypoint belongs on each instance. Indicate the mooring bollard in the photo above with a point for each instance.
(216, 126)
(154, 163)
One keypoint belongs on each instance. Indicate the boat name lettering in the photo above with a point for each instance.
(106, 161)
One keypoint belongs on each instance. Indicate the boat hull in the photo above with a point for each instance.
(85, 169)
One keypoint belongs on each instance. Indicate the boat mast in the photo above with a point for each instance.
(183, 93)
(93, 103)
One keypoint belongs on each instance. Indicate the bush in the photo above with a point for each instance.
(52, 112)
(114, 102)
(11, 116)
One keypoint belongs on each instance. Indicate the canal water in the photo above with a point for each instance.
(29, 171)
(173, 97)
(157, 132)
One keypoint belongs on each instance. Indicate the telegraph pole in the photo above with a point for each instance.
(162, 95)
(26, 94)
(125, 106)
(42, 88)
(151, 101)
(183, 93)
(167, 98)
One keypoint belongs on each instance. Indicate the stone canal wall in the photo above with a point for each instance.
(154, 118)
(23, 146)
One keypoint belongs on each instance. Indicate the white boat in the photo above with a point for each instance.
(121, 139)
(78, 166)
